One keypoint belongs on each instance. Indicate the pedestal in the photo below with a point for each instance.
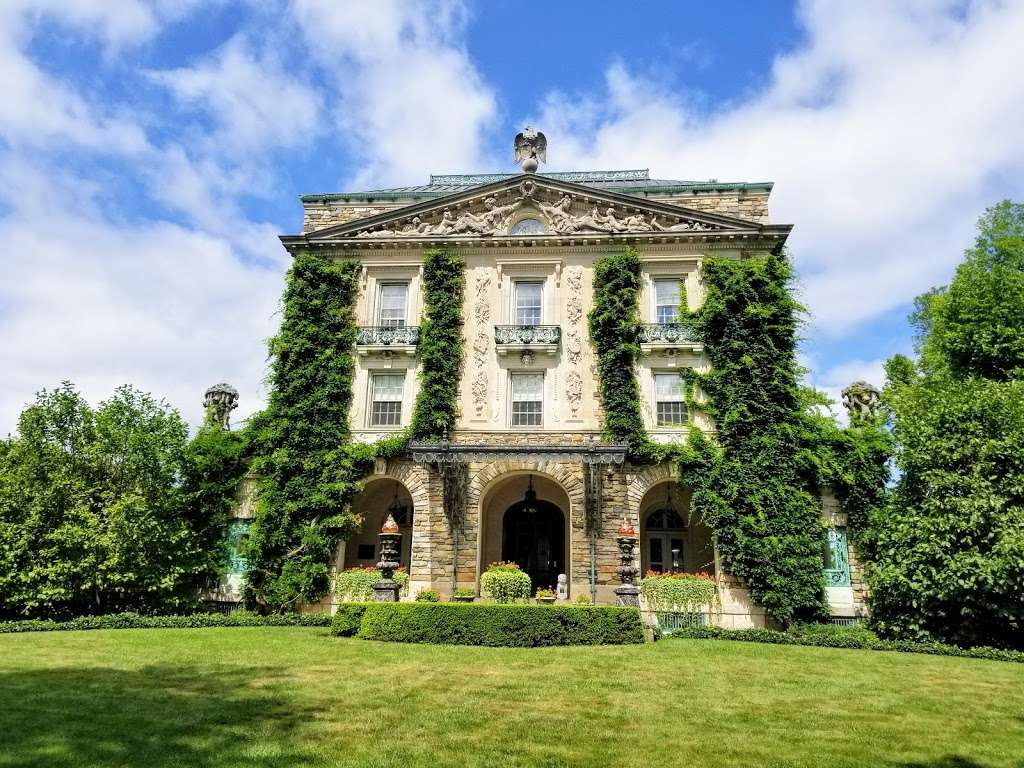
(628, 595)
(386, 591)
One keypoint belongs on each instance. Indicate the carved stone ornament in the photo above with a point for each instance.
(219, 401)
(481, 339)
(567, 216)
(862, 399)
(574, 392)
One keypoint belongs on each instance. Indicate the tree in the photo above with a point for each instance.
(92, 508)
(948, 549)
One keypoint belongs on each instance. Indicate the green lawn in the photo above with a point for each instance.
(292, 696)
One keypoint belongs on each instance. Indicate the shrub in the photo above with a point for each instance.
(355, 585)
(191, 621)
(347, 618)
(582, 599)
(464, 592)
(845, 637)
(500, 625)
(680, 592)
(428, 596)
(505, 583)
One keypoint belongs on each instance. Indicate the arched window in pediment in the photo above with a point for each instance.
(528, 227)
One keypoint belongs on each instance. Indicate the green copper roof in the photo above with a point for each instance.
(629, 182)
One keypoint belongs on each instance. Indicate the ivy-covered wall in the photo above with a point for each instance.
(310, 470)
(749, 484)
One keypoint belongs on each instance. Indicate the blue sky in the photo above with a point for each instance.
(152, 150)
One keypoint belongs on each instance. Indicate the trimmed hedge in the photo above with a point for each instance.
(845, 638)
(193, 621)
(492, 625)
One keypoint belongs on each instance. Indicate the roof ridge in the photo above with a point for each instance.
(634, 174)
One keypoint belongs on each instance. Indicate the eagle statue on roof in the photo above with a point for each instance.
(531, 149)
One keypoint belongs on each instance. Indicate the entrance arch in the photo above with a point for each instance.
(525, 519)
(672, 538)
(533, 537)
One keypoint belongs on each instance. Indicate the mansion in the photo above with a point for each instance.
(543, 489)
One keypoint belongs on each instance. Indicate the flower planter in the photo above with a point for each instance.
(463, 598)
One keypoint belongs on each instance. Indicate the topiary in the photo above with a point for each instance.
(505, 583)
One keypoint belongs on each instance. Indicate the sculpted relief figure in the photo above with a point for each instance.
(560, 215)
(682, 226)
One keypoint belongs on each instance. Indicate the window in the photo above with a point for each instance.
(837, 558)
(386, 406)
(528, 300)
(391, 304)
(528, 227)
(238, 539)
(527, 399)
(669, 400)
(666, 301)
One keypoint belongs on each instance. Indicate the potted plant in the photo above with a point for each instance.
(545, 596)
(463, 595)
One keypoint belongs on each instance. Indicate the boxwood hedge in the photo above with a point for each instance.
(844, 638)
(494, 625)
(193, 621)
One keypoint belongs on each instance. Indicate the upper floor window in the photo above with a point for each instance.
(666, 301)
(529, 298)
(669, 400)
(527, 399)
(386, 399)
(391, 304)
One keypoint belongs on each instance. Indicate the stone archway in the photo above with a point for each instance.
(672, 538)
(538, 540)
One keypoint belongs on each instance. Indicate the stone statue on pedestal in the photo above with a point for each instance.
(220, 400)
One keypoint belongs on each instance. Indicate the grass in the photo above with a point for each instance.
(297, 697)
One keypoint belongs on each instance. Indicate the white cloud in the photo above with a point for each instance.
(168, 309)
(255, 102)
(411, 100)
(886, 134)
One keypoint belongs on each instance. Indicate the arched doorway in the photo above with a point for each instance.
(525, 520)
(671, 537)
(379, 498)
(533, 537)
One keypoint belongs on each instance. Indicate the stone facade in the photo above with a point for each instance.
(530, 243)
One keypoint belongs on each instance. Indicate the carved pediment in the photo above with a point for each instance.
(533, 206)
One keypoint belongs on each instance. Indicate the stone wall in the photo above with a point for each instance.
(322, 214)
(752, 206)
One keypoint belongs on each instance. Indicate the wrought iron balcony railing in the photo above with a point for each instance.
(667, 333)
(388, 335)
(526, 335)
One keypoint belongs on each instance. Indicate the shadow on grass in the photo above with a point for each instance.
(158, 716)
(950, 761)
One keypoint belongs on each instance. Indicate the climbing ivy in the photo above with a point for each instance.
(752, 488)
(441, 345)
(309, 468)
(308, 475)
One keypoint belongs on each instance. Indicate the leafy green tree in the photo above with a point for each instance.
(948, 549)
(91, 507)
